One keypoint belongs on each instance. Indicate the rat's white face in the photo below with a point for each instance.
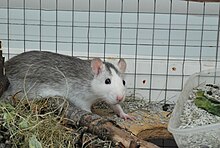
(109, 86)
(108, 83)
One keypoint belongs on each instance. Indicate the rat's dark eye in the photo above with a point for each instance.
(123, 82)
(108, 81)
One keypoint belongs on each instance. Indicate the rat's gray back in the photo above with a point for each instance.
(38, 71)
(42, 64)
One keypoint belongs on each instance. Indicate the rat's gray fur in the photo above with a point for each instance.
(30, 72)
(40, 74)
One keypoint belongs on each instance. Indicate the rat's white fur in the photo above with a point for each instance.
(109, 91)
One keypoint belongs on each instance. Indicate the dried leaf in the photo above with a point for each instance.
(23, 124)
(34, 143)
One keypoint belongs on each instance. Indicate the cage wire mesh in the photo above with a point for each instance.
(163, 41)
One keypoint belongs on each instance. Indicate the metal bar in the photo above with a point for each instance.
(40, 27)
(73, 16)
(217, 44)
(168, 51)
(80, 26)
(8, 27)
(56, 11)
(136, 48)
(185, 44)
(105, 31)
(121, 28)
(152, 50)
(88, 31)
(125, 12)
(24, 19)
(109, 43)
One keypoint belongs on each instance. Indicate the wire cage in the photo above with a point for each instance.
(163, 41)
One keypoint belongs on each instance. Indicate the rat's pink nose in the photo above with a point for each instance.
(120, 98)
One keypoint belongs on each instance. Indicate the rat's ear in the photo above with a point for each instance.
(96, 65)
(122, 65)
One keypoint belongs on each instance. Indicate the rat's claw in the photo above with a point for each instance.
(127, 117)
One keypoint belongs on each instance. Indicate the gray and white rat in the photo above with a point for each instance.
(82, 82)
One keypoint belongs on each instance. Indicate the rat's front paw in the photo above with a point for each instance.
(127, 117)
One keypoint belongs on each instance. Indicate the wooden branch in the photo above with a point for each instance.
(153, 125)
(148, 126)
(105, 128)
(113, 132)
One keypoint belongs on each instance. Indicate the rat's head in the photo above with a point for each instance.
(108, 83)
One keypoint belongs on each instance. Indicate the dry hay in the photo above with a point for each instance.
(41, 123)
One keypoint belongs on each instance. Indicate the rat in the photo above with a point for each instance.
(82, 82)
